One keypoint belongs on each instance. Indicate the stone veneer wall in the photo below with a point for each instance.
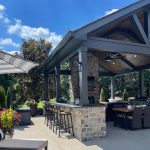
(88, 122)
(74, 78)
(93, 70)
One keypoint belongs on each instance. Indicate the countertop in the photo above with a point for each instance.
(76, 106)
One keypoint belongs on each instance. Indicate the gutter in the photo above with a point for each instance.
(61, 45)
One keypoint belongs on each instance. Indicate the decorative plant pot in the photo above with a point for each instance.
(8, 131)
(33, 110)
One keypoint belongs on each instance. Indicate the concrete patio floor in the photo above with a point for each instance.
(116, 138)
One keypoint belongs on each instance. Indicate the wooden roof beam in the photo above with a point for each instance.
(109, 45)
(141, 33)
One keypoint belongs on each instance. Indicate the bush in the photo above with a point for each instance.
(40, 105)
(33, 106)
(125, 95)
(102, 95)
(53, 100)
(9, 118)
(31, 103)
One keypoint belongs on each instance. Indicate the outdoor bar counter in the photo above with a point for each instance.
(88, 121)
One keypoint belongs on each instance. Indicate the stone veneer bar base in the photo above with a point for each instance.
(88, 122)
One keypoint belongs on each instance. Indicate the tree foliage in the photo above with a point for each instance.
(31, 85)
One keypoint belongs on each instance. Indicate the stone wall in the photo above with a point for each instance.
(88, 122)
(93, 70)
(74, 79)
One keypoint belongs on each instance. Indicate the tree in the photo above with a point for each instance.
(31, 85)
(2, 97)
(65, 83)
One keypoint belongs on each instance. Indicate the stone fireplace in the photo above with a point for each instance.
(93, 77)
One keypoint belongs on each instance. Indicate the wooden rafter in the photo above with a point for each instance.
(141, 32)
(102, 44)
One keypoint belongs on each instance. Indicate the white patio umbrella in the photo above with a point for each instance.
(12, 64)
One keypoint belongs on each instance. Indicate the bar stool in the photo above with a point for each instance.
(46, 115)
(51, 115)
(64, 121)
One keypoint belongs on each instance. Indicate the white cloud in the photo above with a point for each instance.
(27, 32)
(13, 52)
(110, 11)
(2, 8)
(8, 42)
(3, 15)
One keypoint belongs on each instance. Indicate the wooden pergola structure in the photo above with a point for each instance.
(123, 36)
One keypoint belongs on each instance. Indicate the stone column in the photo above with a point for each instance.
(58, 87)
(112, 88)
(83, 85)
(141, 82)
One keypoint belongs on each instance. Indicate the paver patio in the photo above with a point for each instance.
(39, 130)
(116, 138)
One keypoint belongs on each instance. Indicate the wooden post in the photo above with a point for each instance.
(83, 85)
(112, 88)
(58, 87)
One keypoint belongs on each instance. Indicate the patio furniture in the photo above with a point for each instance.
(25, 116)
(121, 119)
(62, 120)
(48, 113)
(135, 120)
(110, 114)
(146, 117)
(21, 144)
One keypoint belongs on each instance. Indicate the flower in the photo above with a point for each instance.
(9, 118)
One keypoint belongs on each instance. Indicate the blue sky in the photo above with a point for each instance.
(49, 19)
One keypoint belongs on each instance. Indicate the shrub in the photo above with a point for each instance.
(40, 105)
(53, 100)
(33, 106)
(31, 103)
(125, 95)
(102, 95)
(9, 118)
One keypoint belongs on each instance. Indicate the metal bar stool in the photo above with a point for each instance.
(64, 121)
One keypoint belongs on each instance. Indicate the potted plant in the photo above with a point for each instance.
(8, 120)
(33, 106)
(39, 110)
(125, 95)
(102, 96)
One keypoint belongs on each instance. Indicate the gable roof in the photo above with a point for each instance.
(74, 38)
(120, 14)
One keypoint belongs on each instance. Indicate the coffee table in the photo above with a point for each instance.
(24, 144)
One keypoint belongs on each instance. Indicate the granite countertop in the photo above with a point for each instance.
(24, 109)
(122, 102)
(76, 106)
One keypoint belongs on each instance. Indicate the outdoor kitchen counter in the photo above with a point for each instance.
(88, 121)
(76, 106)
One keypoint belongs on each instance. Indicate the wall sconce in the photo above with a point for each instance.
(80, 66)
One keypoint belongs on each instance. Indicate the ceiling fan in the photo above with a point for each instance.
(111, 56)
